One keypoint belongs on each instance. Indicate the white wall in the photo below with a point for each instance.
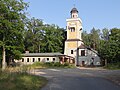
(88, 58)
(42, 59)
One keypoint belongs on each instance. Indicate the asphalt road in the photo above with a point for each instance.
(77, 79)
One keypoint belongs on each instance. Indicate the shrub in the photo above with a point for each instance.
(48, 64)
(57, 64)
(66, 64)
(113, 66)
(51, 65)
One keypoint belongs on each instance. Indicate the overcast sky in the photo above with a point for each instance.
(94, 13)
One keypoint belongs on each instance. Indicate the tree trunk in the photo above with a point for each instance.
(4, 60)
(106, 62)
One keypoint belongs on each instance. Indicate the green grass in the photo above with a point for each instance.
(20, 81)
(17, 78)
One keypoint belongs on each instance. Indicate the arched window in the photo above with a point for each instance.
(71, 51)
(27, 59)
(73, 16)
(72, 29)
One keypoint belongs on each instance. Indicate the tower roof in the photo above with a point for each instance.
(74, 10)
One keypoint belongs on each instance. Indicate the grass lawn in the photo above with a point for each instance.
(21, 81)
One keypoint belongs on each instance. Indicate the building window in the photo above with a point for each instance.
(71, 51)
(53, 59)
(27, 59)
(38, 59)
(73, 16)
(82, 52)
(47, 59)
(22, 59)
(80, 29)
(33, 59)
(72, 29)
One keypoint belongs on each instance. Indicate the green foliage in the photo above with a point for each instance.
(20, 81)
(40, 37)
(107, 43)
(92, 39)
(18, 33)
(110, 48)
(113, 66)
(51, 65)
(11, 27)
(33, 35)
(53, 40)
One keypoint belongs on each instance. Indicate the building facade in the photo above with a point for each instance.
(74, 51)
(74, 45)
(30, 58)
(74, 30)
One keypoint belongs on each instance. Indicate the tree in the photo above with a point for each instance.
(40, 37)
(11, 28)
(110, 45)
(86, 38)
(92, 39)
(95, 38)
(33, 35)
(53, 39)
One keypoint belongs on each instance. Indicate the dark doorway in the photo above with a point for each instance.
(83, 63)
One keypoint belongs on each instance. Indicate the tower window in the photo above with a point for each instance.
(72, 29)
(71, 51)
(73, 16)
(80, 29)
(82, 52)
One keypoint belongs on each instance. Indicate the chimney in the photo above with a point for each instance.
(26, 52)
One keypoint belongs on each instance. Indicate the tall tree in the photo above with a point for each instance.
(110, 45)
(95, 38)
(92, 39)
(40, 37)
(11, 27)
(33, 35)
(53, 39)
(86, 37)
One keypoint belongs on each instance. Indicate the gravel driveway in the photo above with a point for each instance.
(80, 79)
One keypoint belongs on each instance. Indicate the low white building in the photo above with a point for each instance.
(30, 58)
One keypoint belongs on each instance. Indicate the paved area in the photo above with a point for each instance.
(79, 79)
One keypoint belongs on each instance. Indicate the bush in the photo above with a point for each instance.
(66, 64)
(113, 66)
(51, 65)
(57, 64)
(37, 64)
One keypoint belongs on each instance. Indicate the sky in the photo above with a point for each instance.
(93, 13)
